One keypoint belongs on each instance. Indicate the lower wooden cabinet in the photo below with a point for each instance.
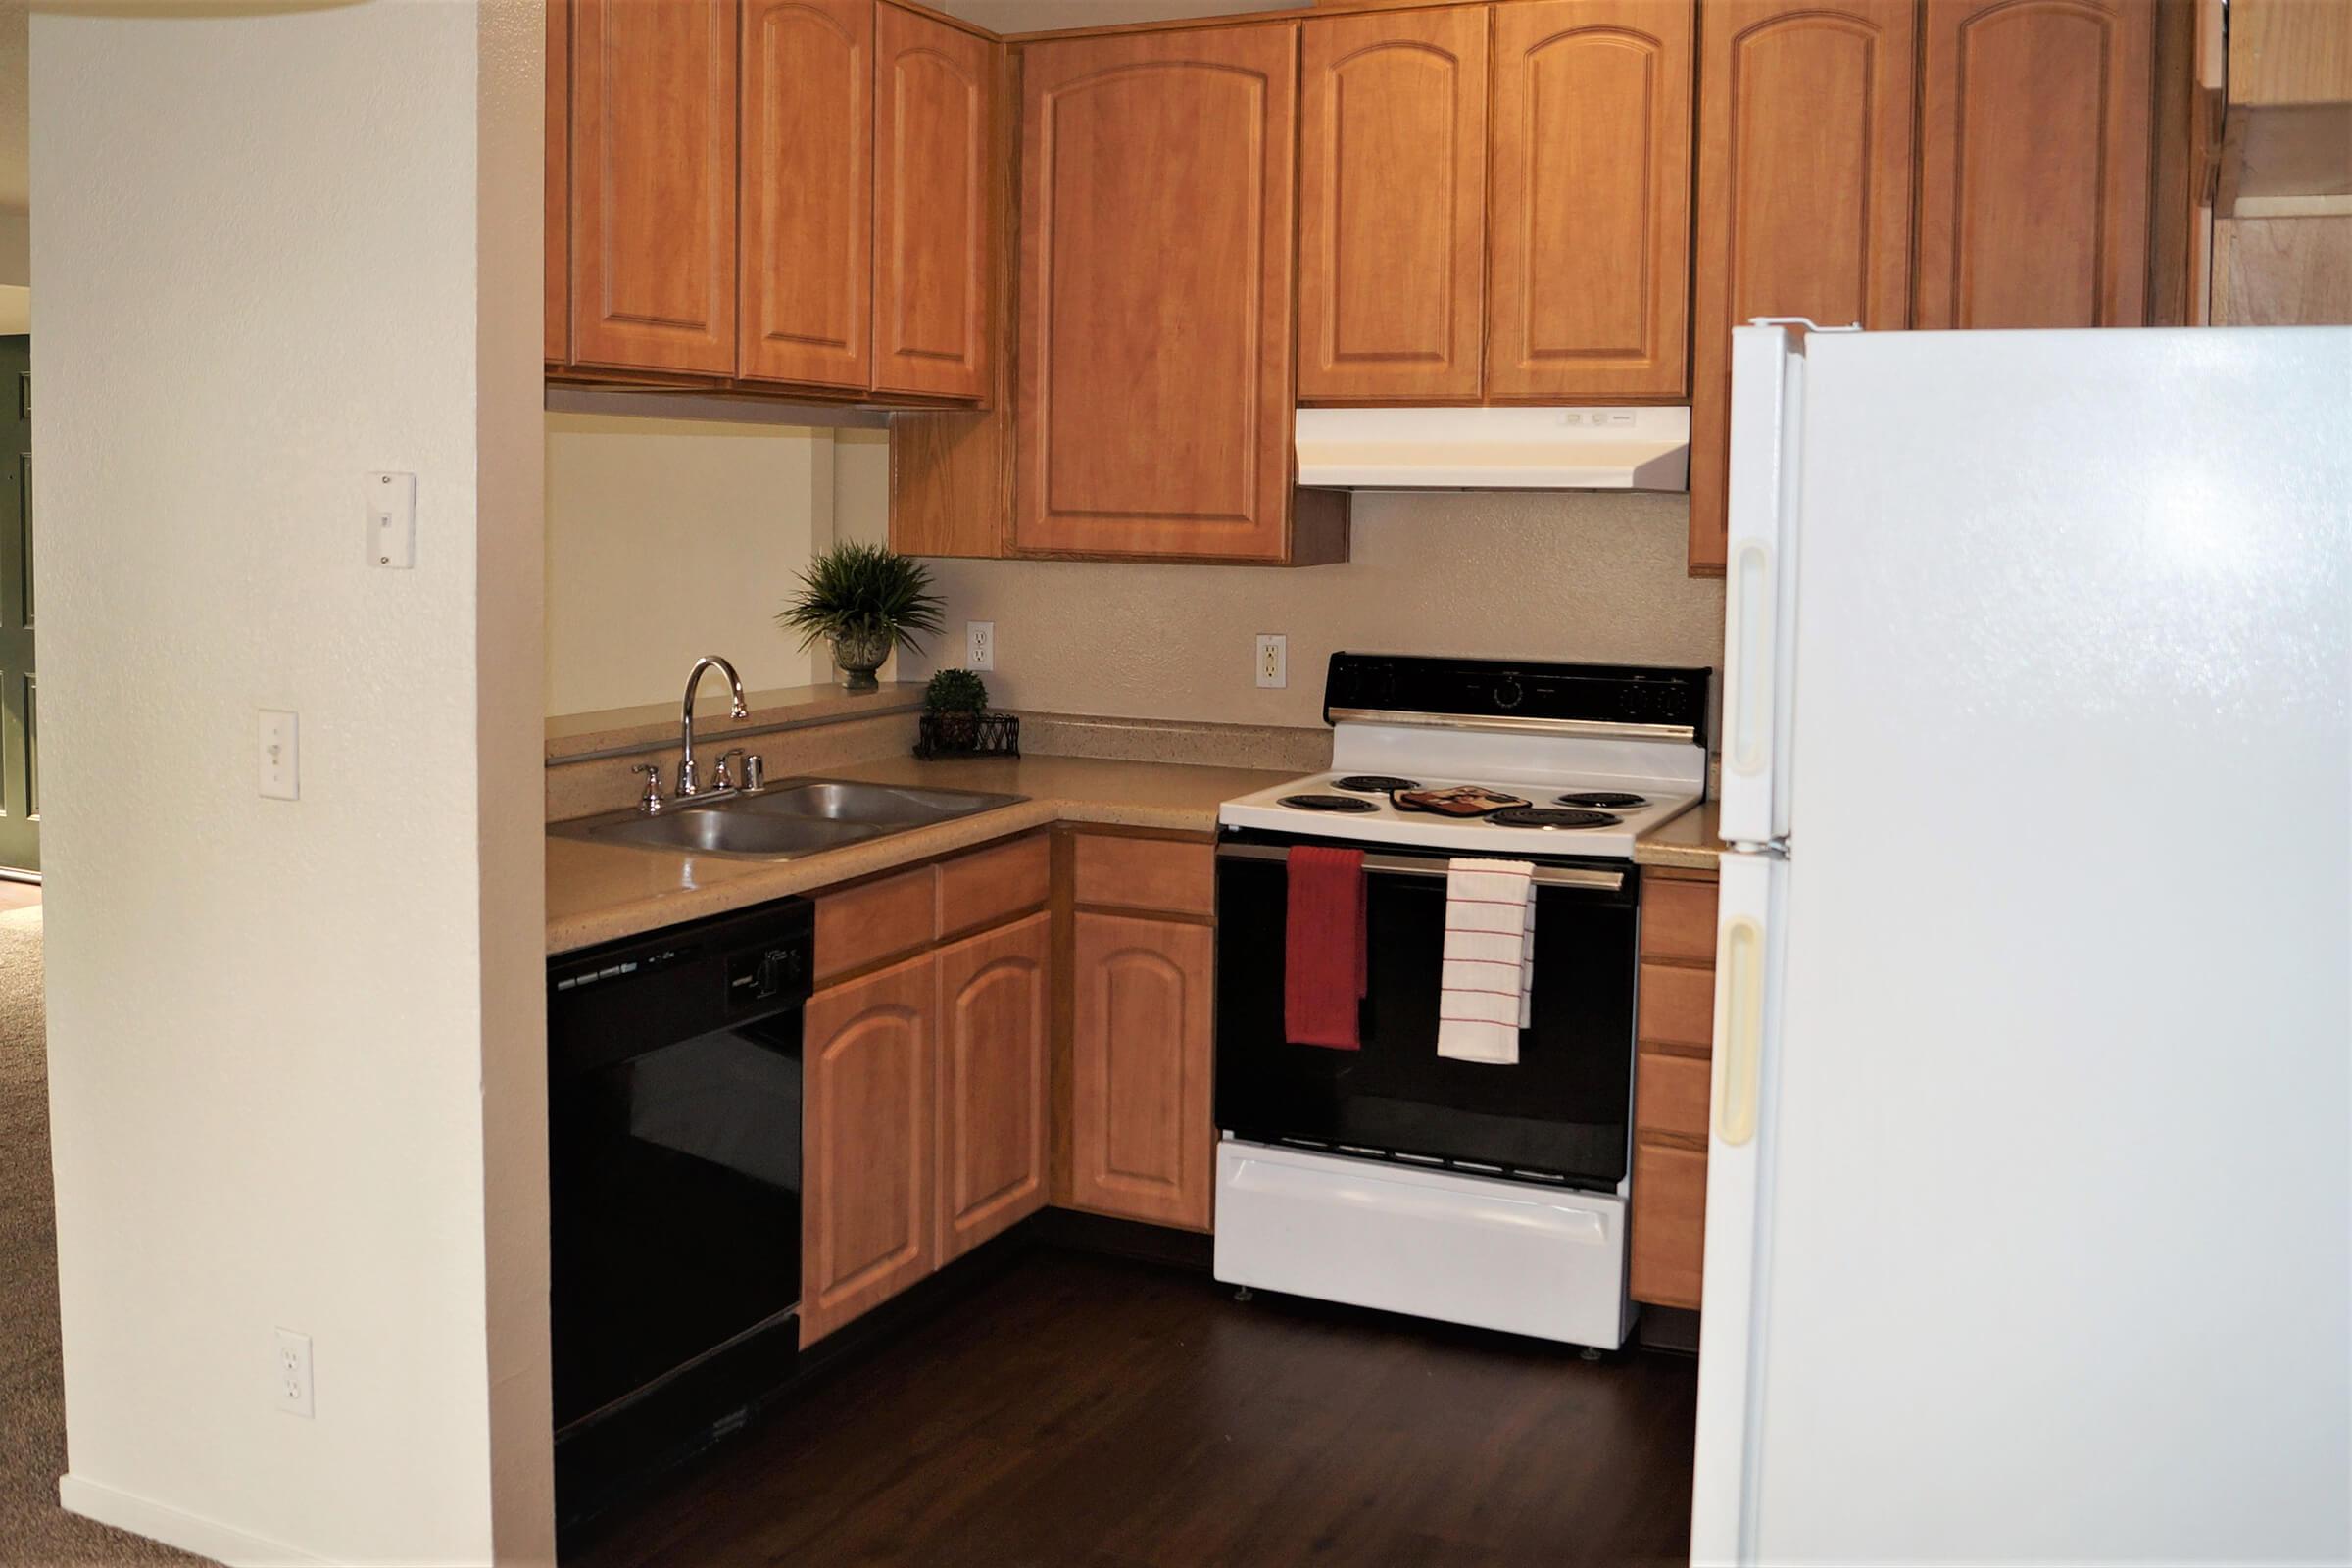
(995, 1023)
(1141, 1125)
(869, 1059)
(1673, 1026)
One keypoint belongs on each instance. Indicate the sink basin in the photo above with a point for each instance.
(883, 804)
(715, 829)
(800, 817)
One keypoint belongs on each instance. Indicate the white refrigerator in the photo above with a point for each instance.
(2029, 1185)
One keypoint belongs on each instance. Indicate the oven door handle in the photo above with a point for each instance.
(1546, 876)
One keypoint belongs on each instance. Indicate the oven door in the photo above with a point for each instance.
(1560, 1114)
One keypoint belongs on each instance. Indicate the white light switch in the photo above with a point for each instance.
(281, 761)
(392, 520)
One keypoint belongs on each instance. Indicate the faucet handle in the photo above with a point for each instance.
(651, 802)
(755, 773)
(722, 777)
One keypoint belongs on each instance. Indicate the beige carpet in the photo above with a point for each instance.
(33, 1529)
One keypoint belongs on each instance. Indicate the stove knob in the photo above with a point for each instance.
(1507, 693)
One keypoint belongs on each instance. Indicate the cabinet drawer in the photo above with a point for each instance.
(978, 890)
(1670, 1095)
(1669, 1232)
(1145, 874)
(1676, 1005)
(867, 924)
(1678, 919)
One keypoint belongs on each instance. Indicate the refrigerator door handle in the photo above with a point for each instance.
(1748, 705)
(1739, 1028)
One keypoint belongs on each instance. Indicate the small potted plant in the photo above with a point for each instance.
(868, 599)
(954, 701)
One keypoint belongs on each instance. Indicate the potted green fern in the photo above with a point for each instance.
(867, 599)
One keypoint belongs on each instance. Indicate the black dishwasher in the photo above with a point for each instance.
(674, 1191)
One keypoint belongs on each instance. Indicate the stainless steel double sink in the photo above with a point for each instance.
(786, 821)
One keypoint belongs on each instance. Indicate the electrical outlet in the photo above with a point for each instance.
(979, 645)
(1273, 660)
(290, 1372)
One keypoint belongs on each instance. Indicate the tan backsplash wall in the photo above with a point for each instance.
(1594, 577)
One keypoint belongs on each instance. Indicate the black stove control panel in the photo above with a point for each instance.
(1472, 688)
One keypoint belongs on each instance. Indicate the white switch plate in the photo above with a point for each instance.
(290, 1373)
(392, 520)
(1273, 660)
(280, 756)
(979, 645)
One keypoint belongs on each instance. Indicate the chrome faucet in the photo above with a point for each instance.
(688, 785)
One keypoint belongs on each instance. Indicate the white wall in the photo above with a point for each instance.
(294, 1045)
(668, 539)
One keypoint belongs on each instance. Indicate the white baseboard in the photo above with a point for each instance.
(207, 1538)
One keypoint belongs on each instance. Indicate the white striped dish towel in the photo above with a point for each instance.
(1485, 997)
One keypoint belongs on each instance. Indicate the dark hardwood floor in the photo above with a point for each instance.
(1086, 1410)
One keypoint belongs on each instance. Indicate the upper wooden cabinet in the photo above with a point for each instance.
(805, 225)
(653, 184)
(556, 234)
(1804, 193)
(934, 89)
(1393, 205)
(785, 192)
(2034, 149)
(1589, 204)
(1156, 303)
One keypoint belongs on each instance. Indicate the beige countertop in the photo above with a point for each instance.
(598, 892)
(1690, 841)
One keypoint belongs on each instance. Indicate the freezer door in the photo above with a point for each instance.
(1768, 370)
(2052, 1230)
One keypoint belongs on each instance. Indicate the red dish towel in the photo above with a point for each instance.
(1326, 969)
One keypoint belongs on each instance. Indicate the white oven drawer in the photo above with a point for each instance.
(1460, 1248)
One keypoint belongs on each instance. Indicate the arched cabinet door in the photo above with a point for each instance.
(1589, 237)
(1804, 194)
(870, 1062)
(652, 170)
(995, 1012)
(1393, 205)
(806, 230)
(2034, 144)
(932, 136)
(1141, 1129)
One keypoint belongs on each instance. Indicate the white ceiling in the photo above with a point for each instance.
(1043, 15)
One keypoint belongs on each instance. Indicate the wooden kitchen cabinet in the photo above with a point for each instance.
(1155, 389)
(556, 232)
(1804, 194)
(1393, 205)
(652, 178)
(1589, 211)
(806, 223)
(1141, 1128)
(933, 216)
(994, 1025)
(1673, 1055)
(2034, 159)
(869, 1050)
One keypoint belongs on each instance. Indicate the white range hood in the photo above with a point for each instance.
(1495, 449)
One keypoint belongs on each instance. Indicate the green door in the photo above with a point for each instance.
(19, 714)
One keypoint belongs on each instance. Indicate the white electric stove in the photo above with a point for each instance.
(1386, 1176)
